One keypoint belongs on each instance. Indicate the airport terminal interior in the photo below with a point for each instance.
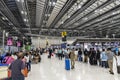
(59, 39)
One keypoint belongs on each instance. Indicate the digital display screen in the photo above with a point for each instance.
(9, 41)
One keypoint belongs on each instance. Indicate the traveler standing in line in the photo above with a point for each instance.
(30, 60)
(65, 53)
(103, 57)
(60, 55)
(90, 56)
(86, 56)
(80, 54)
(110, 56)
(56, 52)
(50, 52)
(98, 57)
(17, 68)
(72, 58)
(76, 54)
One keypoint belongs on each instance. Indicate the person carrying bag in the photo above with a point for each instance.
(18, 69)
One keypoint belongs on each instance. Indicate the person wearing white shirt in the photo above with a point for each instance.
(28, 61)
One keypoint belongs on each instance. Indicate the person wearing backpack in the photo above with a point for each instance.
(103, 57)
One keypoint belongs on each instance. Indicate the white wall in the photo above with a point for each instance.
(41, 42)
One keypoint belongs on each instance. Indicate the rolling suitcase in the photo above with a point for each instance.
(95, 62)
(49, 56)
(67, 64)
(118, 69)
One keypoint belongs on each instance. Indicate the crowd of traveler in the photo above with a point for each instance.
(102, 58)
(19, 61)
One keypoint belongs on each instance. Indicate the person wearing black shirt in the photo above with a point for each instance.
(50, 52)
(98, 57)
(92, 54)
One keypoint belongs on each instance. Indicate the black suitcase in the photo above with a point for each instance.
(95, 62)
(118, 69)
(49, 56)
(90, 61)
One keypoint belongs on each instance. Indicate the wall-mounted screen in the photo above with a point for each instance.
(18, 43)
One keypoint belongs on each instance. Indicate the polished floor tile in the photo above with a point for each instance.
(54, 69)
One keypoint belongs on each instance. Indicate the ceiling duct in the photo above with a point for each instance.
(59, 5)
(39, 11)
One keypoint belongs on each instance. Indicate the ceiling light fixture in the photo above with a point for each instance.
(50, 3)
(85, 18)
(3, 18)
(22, 12)
(25, 20)
(6, 18)
(113, 13)
(96, 11)
(48, 14)
(62, 22)
(53, 4)
(79, 6)
(22, 1)
(68, 16)
(10, 24)
(100, 10)
(18, 0)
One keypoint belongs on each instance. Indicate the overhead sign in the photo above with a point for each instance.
(64, 33)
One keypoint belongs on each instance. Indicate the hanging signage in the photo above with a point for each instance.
(18, 43)
(64, 33)
(9, 41)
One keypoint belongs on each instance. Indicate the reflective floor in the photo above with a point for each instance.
(54, 69)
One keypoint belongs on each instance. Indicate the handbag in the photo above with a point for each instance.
(25, 72)
(9, 74)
